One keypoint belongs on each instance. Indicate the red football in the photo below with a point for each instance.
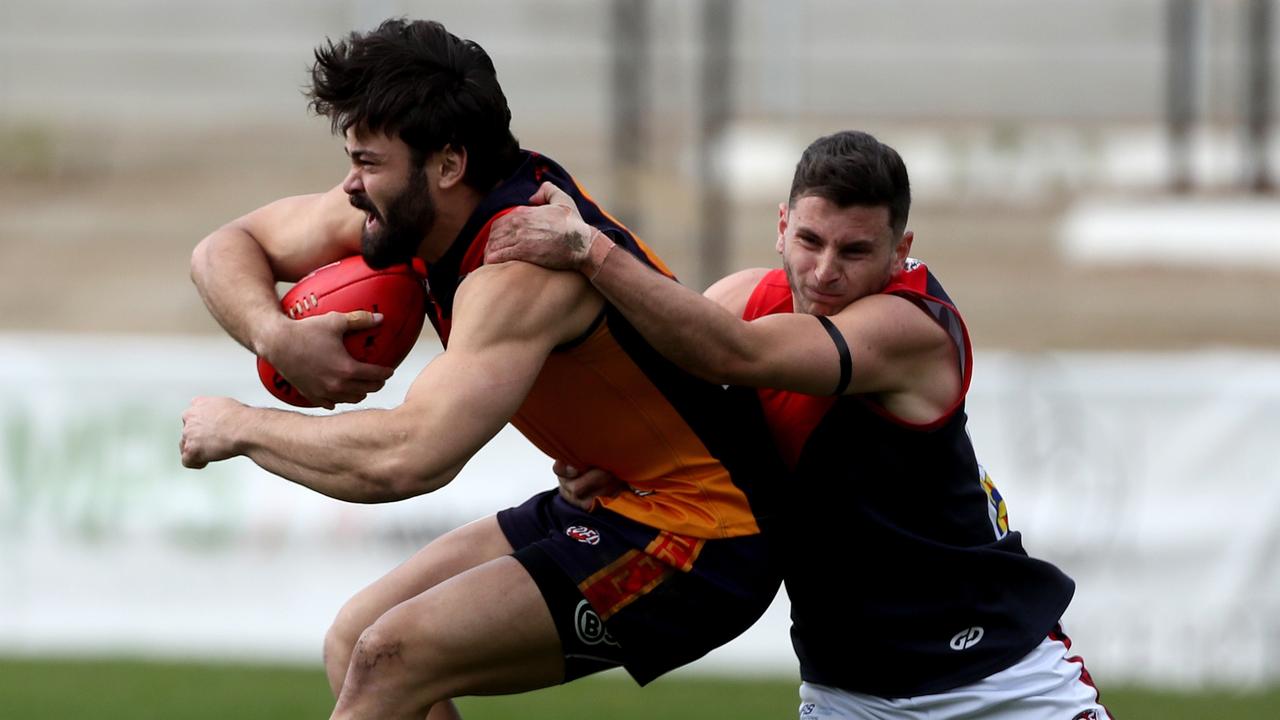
(398, 292)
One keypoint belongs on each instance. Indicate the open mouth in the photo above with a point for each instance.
(362, 203)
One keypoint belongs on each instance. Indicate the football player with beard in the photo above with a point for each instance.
(537, 594)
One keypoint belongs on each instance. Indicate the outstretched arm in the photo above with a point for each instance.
(889, 339)
(235, 270)
(507, 319)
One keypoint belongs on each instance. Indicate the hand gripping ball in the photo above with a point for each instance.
(398, 292)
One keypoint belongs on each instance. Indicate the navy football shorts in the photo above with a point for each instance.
(626, 594)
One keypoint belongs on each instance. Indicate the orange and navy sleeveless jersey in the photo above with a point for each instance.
(696, 455)
(942, 591)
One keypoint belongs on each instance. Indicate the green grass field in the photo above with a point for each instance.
(107, 690)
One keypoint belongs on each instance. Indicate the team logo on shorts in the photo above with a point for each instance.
(806, 709)
(1088, 715)
(590, 627)
(967, 638)
(582, 533)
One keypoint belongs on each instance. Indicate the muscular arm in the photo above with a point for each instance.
(700, 335)
(507, 319)
(894, 346)
(235, 270)
(235, 267)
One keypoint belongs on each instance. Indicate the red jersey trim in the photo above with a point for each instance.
(473, 259)
(772, 295)
(912, 285)
(792, 417)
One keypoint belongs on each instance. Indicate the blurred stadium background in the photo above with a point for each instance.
(1094, 182)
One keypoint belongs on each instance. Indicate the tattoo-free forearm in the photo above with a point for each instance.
(234, 278)
(688, 329)
(363, 456)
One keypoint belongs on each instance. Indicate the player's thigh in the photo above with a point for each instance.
(484, 631)
(450, 554)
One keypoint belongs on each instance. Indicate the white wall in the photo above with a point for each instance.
(1148, 478)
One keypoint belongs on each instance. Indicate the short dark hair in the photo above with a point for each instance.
(853, 168)
(423, 83)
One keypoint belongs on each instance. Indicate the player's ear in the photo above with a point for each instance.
(452, 163)
(903, 251)
(782, 224)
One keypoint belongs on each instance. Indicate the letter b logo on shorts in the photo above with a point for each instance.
(590, 627)
(967, 638)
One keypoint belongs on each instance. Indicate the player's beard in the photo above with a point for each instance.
(409, 217)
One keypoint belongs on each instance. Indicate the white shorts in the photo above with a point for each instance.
(1044, 685)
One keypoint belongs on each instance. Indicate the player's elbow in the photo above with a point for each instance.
(737, 369)
(721, 368)
(414, 482)
(200, 260)
(224, 249)
(733, 362)
(389, 484)
(207, 253)
(402, 472)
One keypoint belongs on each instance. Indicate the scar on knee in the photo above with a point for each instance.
(368, 654)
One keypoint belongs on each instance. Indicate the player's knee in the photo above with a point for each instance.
(390, 671)
(379, 649)
(388, 657)
(390, 651)
(342, 636)
(337, 655)
(341, 639)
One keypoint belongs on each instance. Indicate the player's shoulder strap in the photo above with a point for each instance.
(771, 295)
(917, 284)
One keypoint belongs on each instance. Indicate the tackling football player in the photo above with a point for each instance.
(863, 363)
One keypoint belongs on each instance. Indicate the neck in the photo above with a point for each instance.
(451, 214)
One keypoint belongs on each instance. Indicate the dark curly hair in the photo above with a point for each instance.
(417, 80)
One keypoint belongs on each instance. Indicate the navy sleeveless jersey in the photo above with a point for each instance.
(903, 575)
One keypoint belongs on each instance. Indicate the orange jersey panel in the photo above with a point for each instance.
(593, 406)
